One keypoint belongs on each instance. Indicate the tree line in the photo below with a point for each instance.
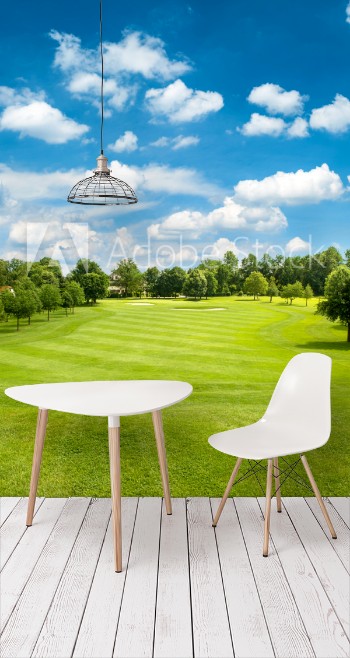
(297, 276)
(29, 288)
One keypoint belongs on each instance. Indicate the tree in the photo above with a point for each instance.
(84, 266)
(67, 301)
(337, 291)
(50, 298)
(177, 278)
(292, 290)
(76, 294)
(195, 284)
(249, 264)
(212, 284)
(347, 258)
(128, 276)
(164, 284)
(22, 304)
(223, 277)
(95, 286)
(150, 279)
(255, 284)
(32, 303)
(2, 310)
(272, 290)
(308, 293)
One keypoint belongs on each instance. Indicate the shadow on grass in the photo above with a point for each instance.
(325, 345)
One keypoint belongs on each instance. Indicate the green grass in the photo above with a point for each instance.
(232, 358)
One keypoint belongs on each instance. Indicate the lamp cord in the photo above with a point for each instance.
(101, 52)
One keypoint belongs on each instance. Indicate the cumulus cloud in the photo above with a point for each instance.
(127, 142)
(41, 120)
(299, 128)
(135, 54)
(179, 104)
(259, 124)
(29, 114)
(297, 245)
(334, 118)
(231, 216)
(294, 188)
(277, 100)
(176, 143)
(170, 180)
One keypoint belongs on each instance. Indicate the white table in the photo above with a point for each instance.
(112, 399)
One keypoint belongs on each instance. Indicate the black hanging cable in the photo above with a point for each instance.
(101, 52)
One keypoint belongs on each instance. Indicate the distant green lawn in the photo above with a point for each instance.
(233, 359)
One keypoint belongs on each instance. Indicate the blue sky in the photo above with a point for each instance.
(230, 119)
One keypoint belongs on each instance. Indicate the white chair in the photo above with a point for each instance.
(297, 419)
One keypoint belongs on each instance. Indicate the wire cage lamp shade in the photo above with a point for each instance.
(102, 189)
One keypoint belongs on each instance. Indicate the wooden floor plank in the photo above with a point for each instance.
(99, 624)
(322, 625)
(173, 630)
(250, 635)
(287, 630)
(326, 563)
(58, 634)
(137, 615)
(211, 631)
(14, 528)
(342, 505)
(23, 559)
(342, 543)
(6, 507)
(25, 623)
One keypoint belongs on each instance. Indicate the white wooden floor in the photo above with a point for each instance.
(186, 589)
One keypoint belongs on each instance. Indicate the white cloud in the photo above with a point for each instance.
(175, 143)
(348, 13)
(41, 120)
(10, 96)
(334, 118)
(299, 128)
(143, 54)
(127, 142)
(259, 124)
(30, 185)
(182, 142)
(136, 54)
(229, 216)
(221, 246)
(292, 188)
(297, 245)
(178, 103)
(277, 100)
(170, 180)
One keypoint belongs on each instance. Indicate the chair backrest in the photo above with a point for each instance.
(301, 398)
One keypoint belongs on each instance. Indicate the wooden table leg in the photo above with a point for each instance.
(159, 433)
(114, 461)
(38, 451)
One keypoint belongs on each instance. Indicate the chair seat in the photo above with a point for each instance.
(266, 439)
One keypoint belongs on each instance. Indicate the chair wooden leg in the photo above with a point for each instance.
(276, 473)
(38, 451)
(318, 496)
(268, 508)
(159, 434)
(227, 491)
(114, 461)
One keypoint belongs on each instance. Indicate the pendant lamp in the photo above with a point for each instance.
(102, 189)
